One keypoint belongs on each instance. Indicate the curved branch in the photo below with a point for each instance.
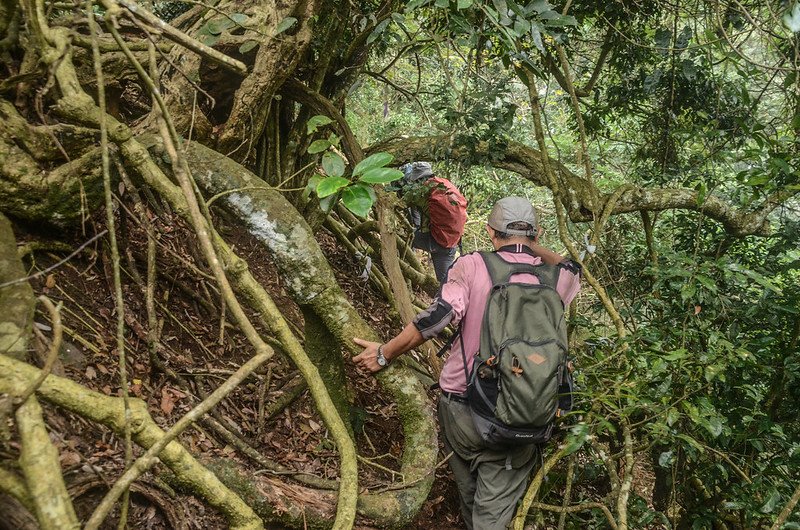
(527, 162)
(299, 92)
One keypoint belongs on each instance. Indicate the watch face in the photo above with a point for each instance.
(381, 360)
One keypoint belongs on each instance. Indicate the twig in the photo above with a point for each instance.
(55, 266)
(262, 395)
(385, 469)
(563, 510)
(627, 481)
(177, 36)
(144, 462)
(567, 493)
(110, 223)
(787, 510)
(533, 489)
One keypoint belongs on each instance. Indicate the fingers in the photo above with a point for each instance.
(361, 342)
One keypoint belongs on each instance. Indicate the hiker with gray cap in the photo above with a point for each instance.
(437, 211)
(504, 383)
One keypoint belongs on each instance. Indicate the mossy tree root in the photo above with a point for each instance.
(277, 225)
(16, 376)
(46, 490)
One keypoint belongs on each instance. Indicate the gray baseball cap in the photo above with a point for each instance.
(417, 171)
(511, 210)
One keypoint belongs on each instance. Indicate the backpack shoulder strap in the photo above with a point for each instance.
(501, 271)
(548, 275)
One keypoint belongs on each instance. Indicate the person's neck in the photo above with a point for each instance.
(500, 243)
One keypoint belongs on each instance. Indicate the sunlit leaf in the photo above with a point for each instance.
(381, 175)
(357, 199)
(317, 121)
(333, 164)
(372, 161)
(313, 182)
(330, 185)
(247, 46)
(318, 146)
(285, 24)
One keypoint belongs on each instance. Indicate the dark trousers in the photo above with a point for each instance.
(442, 257)
(490, 482)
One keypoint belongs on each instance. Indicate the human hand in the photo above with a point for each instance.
(367, 359)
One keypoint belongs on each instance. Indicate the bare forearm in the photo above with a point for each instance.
(406, 340)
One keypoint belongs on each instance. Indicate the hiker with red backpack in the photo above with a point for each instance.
(437, 211)
(507, 377)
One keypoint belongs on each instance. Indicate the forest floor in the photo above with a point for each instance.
(199, 345)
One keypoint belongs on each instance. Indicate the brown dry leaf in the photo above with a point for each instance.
(167, 401)
(69, 458)
(91, 373)
(102, 368)
(50, 282)
(697, 309)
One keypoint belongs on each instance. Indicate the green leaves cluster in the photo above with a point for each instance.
(355, 192)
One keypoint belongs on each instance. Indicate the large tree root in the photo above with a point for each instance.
(276, 224)
(16, 376)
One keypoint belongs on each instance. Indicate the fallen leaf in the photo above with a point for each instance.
(69, 458)
(167, 401)
(91, 373)
(50, 282)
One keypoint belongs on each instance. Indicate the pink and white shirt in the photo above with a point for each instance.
(463, 298)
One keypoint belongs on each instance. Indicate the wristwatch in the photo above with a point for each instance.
(382, 361)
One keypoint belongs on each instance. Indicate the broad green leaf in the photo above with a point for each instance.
(216, 26)
(672, 416)
(239, 18)
(247, 46)
(318, 146)
(562, 20)
(536, 34)
(330, 185)
(316, 121)
(327, 204)
(285, 24)
(414, 4)
(357, 199)
(676, 355)
(464, 4)
(442, 3)
(691, 441)
(372, 161)
(540, 6)
(378, 30)
(333, 164)
(665, 459)
(772, 502)
(313, 182)
(381, 175)
(209, 39)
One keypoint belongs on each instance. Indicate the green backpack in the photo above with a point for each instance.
(519, 381)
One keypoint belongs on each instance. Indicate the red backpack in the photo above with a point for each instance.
(447, 209)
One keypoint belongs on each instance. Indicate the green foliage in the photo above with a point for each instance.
(358, 196)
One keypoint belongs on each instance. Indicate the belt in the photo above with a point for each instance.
(452, 396)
